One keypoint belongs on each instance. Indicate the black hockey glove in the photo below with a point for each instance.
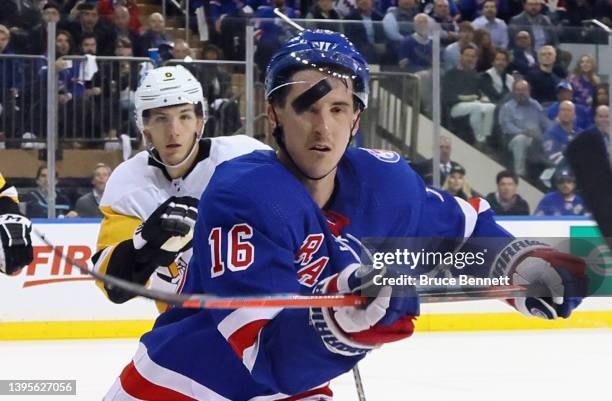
(166, 232)
(156, 242)
(16, 249)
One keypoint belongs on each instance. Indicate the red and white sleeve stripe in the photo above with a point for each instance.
(241, 329)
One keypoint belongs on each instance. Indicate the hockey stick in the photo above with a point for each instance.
(288, 20)
(286, 300)
(358, 383)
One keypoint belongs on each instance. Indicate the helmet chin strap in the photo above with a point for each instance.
(151, 151)
(278, 134)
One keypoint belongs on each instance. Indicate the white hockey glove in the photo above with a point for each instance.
(354, 331)
(558, 280)
(16, 244)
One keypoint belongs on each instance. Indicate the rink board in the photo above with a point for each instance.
(51, 299)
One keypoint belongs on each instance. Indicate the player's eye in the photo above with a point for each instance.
(160, 118)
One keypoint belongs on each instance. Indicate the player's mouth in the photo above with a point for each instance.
(320, 148)
(173, 146)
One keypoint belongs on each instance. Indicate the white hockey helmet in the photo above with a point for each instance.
(167, 86)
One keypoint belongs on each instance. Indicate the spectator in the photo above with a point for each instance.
(324, 10)
(584, 116)
(585, 80)
(495, 26)
(543, 80)
(228, 17)
(368, 35)
(11, 82)
(36, 200)
(486, 50)
(602, 124)
(522, 122)
(564, 201)
(557, 137)
(448, 27)
(155, 35)
(458, 185)
(425, 168)
(89, 22)
(107, 9)
(506, 201)
(452, 53)
(524, 58)
(397, 21)
(601, 96)
(415, 52)
(121, 27)
(539, 25)
(38, 35)
(460, 89)
(271, 35)
(345, 7)
(496, 83)
(126, 75)
(180, 50)
(87, 205)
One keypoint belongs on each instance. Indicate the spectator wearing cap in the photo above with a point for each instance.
(539, 25)
(522, 122)
(425, 168)
(495, 26)
(461, 92)
(564, 201)
(543, 79)
(506, 201)
(38, 35)
(452, 53)
(89, 22)
(557, 137)
(87, 205)
(584, 118)
(584, 80)
(457, 184)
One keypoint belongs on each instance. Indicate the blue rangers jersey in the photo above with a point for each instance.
(554, 204)
(258, 232)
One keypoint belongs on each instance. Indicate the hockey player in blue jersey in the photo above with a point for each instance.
(293, 221)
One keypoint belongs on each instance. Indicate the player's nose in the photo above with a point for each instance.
(321, 122)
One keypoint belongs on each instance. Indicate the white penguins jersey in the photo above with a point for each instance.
(140, 185)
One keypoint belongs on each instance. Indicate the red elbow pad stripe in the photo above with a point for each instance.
(246, 336)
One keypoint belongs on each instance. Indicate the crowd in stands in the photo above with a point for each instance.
(507, 85)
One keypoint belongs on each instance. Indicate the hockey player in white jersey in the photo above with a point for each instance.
(150, 202)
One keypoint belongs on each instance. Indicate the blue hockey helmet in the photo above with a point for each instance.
(322, 50)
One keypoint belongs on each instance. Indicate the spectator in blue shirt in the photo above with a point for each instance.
(522, 121)
(564, 201)
(397, 21)
(584, 118)
(495, 26)
(558, 136)
(415, 52)
(366, 32)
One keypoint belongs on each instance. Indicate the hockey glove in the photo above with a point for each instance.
(16, 247)
(156, 242)
(558, 281)
(387, 317)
